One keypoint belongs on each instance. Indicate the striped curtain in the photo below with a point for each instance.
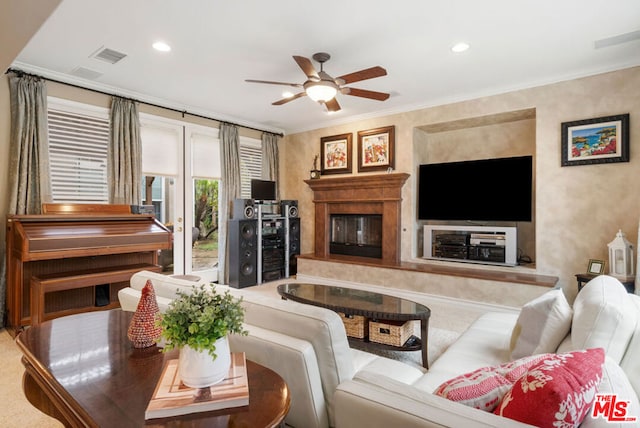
(124, 162)
(270, 170)
(29, 184)
(230, 189)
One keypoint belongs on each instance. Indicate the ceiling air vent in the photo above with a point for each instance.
(108, 55)
(86, 73)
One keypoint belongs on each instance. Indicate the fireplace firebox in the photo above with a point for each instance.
(356, 235)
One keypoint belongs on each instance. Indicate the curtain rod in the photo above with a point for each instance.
(183, 112)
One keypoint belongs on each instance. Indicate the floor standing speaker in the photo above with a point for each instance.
(243, 250)
(294, 244)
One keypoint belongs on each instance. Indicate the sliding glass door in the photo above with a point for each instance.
(182, 169)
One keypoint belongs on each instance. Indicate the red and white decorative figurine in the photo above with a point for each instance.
(144, 330)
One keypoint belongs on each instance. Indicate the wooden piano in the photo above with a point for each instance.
(75, 258)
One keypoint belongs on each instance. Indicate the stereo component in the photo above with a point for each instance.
(488, 253)
(471, 244)
(243, 209)
(289, 208)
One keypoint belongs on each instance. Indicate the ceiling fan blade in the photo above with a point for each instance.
(369, 73)
(380, 96)
(306, 66)
(269, 82)
(286, 100)
(332, 105)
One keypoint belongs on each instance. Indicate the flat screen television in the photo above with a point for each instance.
(497, 189)
(263, 190)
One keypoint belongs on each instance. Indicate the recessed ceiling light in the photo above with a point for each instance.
(287, 94)
(459, 47)
(161, 46)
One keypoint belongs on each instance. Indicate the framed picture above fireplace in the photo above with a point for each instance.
(336, 154)
(376, 149)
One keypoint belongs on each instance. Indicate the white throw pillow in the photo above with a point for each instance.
(615, 382)
(542, 324)
(604, 317)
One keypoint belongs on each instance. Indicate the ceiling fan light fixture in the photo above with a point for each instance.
(321, 91)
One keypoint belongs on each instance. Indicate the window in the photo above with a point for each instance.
(78, 144)
(78, 148)
(250, 164)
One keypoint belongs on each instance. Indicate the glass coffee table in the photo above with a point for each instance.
(370, 305)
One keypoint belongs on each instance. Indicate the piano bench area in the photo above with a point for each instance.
(60, 281)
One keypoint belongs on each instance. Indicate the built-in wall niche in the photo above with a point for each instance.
(507, 134)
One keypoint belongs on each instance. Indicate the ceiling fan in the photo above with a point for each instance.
(321, 87)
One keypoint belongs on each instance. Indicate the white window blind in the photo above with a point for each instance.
(250, 164)
(205, 156)
(78, 145)
(161, 148)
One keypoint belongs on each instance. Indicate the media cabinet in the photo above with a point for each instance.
(471, 244)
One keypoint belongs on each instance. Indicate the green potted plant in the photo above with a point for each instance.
(198, 323)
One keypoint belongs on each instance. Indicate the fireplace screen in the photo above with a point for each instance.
(356, 235)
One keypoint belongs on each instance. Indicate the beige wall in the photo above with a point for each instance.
(578, 208)
(19, 21)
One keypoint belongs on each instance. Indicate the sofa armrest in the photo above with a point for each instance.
(380, 402)
(129, 298)
(294, 360)
(163, 285)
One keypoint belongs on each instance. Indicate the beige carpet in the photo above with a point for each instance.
(446, 324)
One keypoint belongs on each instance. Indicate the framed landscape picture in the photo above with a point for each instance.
(376, 149)
(600, 140)
(335, 152)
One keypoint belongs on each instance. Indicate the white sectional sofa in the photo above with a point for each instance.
(334, 385)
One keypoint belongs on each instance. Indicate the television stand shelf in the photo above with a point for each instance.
(471, 244)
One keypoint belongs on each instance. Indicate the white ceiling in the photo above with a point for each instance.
(216, 45)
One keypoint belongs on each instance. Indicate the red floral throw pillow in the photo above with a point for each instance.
(556, 392)
(484, 388)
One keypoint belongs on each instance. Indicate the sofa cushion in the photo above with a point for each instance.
(631, 362)
(604, 317)
(542, 324)
(614, 383)
(484, 388)
(558, 391)
(485, 343)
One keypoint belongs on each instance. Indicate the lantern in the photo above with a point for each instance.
(621, 257)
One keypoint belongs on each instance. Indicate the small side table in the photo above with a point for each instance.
(583, 278)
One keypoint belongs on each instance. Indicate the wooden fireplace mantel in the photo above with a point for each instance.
(360, 194)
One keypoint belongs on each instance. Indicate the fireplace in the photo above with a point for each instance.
(356, 235)
(358, 203)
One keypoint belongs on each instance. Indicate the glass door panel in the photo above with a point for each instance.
(161, 193)
(204, 251)
(203, 149)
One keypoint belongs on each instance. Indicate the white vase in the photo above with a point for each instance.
(198, 369)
